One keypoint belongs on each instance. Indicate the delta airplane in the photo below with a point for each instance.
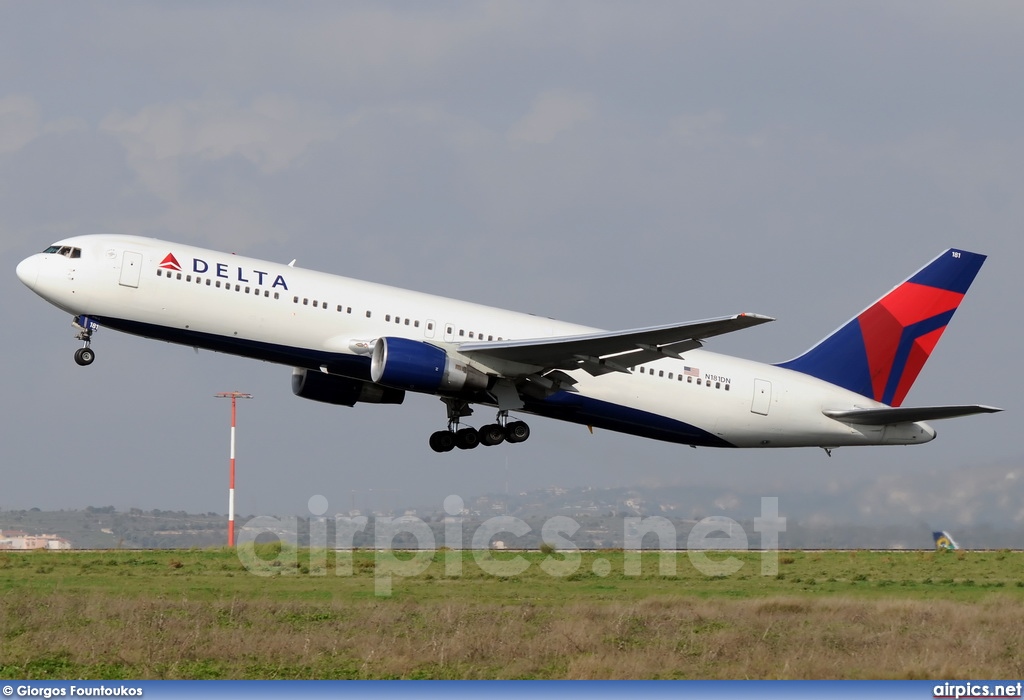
(351, 341)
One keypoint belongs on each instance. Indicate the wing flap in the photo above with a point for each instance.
(888, 416)
(610, 350)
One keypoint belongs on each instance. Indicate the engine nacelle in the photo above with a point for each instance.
(340, 391)
(417, 366)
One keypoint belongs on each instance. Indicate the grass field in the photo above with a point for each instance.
(202, 614)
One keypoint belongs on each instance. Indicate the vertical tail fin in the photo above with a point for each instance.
(880, 352)
(944, 541)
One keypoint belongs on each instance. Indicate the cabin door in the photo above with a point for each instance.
(131, 269)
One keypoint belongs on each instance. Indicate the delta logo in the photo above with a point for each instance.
(170, 263)
(227, 272)
(233, 273)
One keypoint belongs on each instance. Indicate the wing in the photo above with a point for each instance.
(888, 416)
(615, 351)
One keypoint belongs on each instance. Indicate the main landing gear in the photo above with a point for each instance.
(86, 326)
(503, 430)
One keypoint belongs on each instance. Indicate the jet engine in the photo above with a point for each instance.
(417, 366)
(341, 391)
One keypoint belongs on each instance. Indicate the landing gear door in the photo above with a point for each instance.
(762, 397)
(131, 269)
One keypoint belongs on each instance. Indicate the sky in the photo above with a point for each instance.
(614, 164)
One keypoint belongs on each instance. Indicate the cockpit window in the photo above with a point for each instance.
(65, 250)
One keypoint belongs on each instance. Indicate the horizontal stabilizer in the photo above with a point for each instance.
(888, 416)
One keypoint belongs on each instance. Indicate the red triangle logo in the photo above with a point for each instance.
(170, 263)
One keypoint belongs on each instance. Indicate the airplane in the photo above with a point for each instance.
(351, 341)
(943, 540)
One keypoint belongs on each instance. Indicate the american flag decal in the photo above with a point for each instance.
(691, 371)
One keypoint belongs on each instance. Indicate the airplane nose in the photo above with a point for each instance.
(28, 271)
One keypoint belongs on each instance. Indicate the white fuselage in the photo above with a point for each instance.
(311, 319)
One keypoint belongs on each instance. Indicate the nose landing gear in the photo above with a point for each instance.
(85, 355)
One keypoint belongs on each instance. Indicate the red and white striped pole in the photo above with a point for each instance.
(234, 396)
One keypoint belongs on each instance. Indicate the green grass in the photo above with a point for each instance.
(202, 614)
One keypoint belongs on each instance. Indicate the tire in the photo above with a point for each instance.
(84, 356)
(467, 439)
(491, 435)
(442, 441)
(517, 431)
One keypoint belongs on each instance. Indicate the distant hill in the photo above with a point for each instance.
(981, 507)
(106, 528)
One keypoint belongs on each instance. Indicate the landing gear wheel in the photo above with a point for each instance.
(467, 439)
(517, 431)
(492, 434)
(442, 441)
(84, 356)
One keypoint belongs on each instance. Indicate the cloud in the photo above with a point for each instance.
(208, 160)
(271, 132)
(552, 113)
(19, 122)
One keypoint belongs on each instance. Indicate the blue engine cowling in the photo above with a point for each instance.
(340, 391)
(416, 366)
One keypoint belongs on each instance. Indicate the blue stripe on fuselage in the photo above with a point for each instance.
(564, 406)
(355, 366)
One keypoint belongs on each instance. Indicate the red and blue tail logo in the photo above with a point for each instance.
(879, 353)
